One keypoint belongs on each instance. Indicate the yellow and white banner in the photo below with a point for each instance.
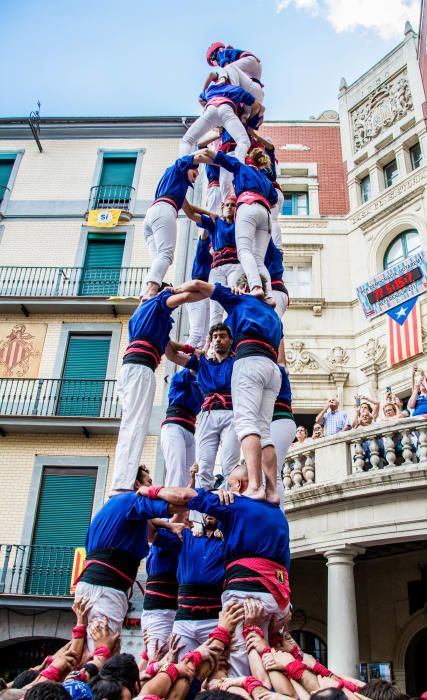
(104, 218)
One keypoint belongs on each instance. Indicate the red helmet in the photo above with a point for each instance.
(212, 48)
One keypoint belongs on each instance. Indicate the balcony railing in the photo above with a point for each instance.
(110, 197)
(71, 281)
(375, 449)
(35, 570)
(59, 397)
(3, 190)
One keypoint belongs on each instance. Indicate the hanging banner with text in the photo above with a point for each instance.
(104, 218)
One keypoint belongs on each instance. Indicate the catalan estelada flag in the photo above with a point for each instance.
(404, 332)
(79, 560)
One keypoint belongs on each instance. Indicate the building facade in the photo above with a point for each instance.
(355, 203)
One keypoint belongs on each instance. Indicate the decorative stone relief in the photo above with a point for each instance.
(374, 351)
(386, 104)
(298, 359)
(337, 357)
(328, 115)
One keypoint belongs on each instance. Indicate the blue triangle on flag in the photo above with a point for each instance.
(400, 313)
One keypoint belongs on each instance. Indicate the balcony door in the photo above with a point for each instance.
(103, 261)
(115, 183)
(85, 367)
(63, 515)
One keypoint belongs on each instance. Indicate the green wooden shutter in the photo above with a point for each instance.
(86, 362)
(64, 512)
(6, 165)
(116, 179)
(103, 261)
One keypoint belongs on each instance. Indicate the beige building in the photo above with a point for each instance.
(355, 202)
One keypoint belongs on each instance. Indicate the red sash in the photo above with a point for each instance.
(168, 201)
(253, 198)
(218, 101)
(273, 576)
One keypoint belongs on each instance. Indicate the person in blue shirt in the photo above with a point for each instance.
(274, 264)
(221, 102)
(198, 313)
(148, 330)
(256, 331)
(160, 220)
(241, 67)
(283, 428)
(418, 399)
(258, 140)
(255, 197)
(116, 541)
(178, 428)
(256, 550)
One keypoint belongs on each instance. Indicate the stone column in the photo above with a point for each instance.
(343, 638)
(402, 160)
(377, 180)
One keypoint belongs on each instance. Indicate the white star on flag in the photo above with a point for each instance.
(401, 312)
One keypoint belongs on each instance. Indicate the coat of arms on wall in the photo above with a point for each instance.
(21, 346)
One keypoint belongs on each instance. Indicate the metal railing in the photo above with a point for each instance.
(59, 397)
(110, 197)
(3, 190)
(382, 446)
(35, 570)
(71, 281)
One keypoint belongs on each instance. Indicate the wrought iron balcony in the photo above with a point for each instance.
(48, 398)
(112, 197)
(33, 570)
(3, 190)
(71, 281)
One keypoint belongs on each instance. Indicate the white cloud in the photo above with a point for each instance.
(386, 18)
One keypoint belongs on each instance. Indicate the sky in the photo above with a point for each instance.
(147, 57)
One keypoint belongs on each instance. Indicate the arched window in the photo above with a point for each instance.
(406, 243)
(311, 645)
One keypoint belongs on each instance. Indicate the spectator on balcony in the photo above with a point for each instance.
(318, 431)
(332, 419)
(367, 411)
(300, 436)
(391, 411)
(418, 399)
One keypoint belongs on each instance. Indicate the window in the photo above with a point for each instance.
(55, 535)
(7, 161)
(365, 188)
(295, 204)
(298, 279)
(416, 156)
(311, 644)
(85, 367)
(102, 265)
(407, 243)
(115, 182)
(391, 173)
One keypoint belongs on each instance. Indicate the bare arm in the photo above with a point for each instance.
(265, 142)
(209, 138)
(176, 356)
(213, 75)
(176, 496)
(320, 416)
(203, 290)
(413, 398)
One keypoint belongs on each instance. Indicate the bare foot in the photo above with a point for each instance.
(257, 292)
(256, 494)
(272, 496)
(270, 301)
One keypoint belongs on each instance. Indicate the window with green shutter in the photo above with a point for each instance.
(102, 265)
(7, 161)
(85, 367)
(63, 515)
(115, 182)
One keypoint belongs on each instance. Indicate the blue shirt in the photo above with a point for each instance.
(249, 316)
(185, 392)
(221, 233)
(231, 92)
(212, 173)
(201, 560)
(285, 393)
(228, 55)
(274, 262)
(246, 177)
(212, 376)
(250, 527)
(202, 260)
(152, 320)
(175, 182)
(420, 405)
(122, 524)
(163, 555)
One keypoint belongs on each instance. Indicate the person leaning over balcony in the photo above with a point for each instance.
(332, 419)
(366, 412)
(149, 329)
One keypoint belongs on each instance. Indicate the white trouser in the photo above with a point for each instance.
(136, 387)
(282, 301)
(198, 319)
(252, 239)
(212, 117)
(179, 451)
(239, 663)
(227, 275)
(158, 624)
(105, 602)
(276, 233)
(193, 633)
(214, 429)
(213, 199)
(283, 434)
(160, 235)
(238, 76)
(255, 384)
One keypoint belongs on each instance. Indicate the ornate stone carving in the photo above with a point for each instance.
(386, 104)
(374, 351)
(328, 115)
(337, 357)
(299, 359)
